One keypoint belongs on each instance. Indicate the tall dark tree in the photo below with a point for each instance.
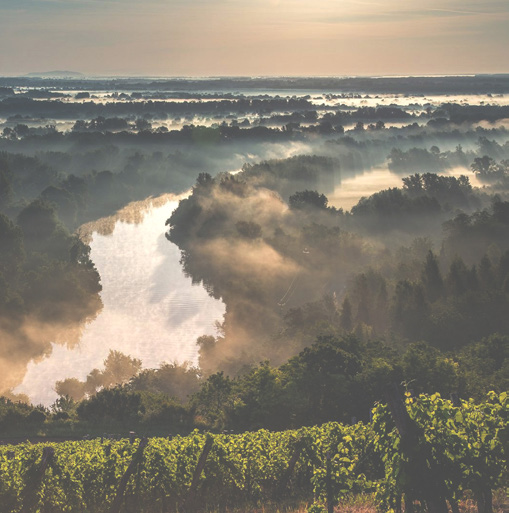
(363, 299)
(457, 278)
(12, 251)
(5, 186)
(432, 278)
(486, 273)
(345, 319)
(410, 309)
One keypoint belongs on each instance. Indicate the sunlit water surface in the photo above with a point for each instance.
(151, 309)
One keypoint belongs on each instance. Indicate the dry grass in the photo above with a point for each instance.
(359, 504)
(500, 502)
(273, 508)
(366, 504)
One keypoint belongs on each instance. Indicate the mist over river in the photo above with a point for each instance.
(151, 310)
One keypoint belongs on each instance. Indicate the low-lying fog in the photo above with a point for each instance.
(151, 309)
(130, 145)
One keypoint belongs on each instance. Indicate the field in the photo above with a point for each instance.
(438, 452)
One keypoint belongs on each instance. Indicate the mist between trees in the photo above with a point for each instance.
(411, 283)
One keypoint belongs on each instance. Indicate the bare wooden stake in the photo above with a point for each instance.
(117, 502)
(291, 465)
(30, 494)
(328, 485)
(189, 500)
(431, 484)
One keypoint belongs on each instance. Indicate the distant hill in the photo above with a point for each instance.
(55, 74)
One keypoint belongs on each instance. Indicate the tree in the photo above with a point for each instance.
(410, 309)
(249, 229)
(427, 370)
(346, 315)
(173, 380)
(72, 388)
(214, 401)
(262, 402)
(63, 407)
(457, 278)
(204, 180)
(38, 221)
(486, 273)
(115, 404)
(362, 294)
(142, 125)
(320, 378)
(12, 253)
(119, 368)
(64, 202)
(486, 168)
(6, 191)
(308, 199)
(432, 278)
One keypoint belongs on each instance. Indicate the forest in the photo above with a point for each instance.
(327, 304)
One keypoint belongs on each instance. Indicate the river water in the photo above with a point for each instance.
(151, 310)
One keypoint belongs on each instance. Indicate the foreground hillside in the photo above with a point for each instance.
(422, 450)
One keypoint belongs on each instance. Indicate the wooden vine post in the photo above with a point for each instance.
(119, 497)
(30, 492)
(328, 484)
(299, 445)
(190, 498)
(426, 475)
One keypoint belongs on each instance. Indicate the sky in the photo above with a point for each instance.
(254, 37)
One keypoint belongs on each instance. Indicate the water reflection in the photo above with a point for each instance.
(348, 192)
(151, 310)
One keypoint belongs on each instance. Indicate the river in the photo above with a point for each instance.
(151, 310)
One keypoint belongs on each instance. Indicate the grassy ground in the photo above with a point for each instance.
(365, 504)
(500, 503)
(359, 504)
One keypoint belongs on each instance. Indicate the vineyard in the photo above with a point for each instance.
(443, 450)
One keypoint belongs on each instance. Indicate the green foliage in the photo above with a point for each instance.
(111, 405)
(487, 170)
(307, 200)
(415, 159)
(16, 416)
(118, 370)
(392, 209)
(485, 365)
(173, 380)
(240, 469)
(12, 252)
(469, 443)
(292, 174)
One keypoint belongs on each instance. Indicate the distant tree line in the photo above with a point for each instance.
(338, 377)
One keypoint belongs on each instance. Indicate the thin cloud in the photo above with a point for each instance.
(195, 37)
(392, 8)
